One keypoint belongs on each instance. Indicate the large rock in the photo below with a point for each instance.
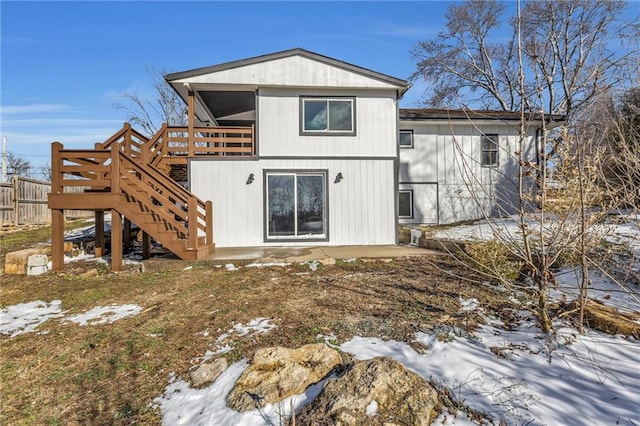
(16, 261)
(276, 373)
(379, 391)
(207, 372)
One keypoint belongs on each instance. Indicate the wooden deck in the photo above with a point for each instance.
(127, 176)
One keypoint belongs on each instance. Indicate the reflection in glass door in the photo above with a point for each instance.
(296, 205)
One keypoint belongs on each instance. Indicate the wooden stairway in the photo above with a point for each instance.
(118, 177)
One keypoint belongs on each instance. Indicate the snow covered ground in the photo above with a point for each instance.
(518, 376)
(514, 374)
(606, 286)
(28, 317)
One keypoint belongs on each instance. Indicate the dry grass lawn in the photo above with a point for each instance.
(105, 374)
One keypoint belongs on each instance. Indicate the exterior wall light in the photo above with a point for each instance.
(338, 177)
(250, 179)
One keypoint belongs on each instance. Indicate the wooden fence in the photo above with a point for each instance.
(23, 201)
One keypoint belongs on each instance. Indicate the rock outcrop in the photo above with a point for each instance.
(276, 373)
(379, 391)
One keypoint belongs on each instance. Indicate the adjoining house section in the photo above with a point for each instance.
(458, 165)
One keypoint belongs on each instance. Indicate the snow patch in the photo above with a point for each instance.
(104, 314)
(523, 376)
(372, 408)
(27, 317)
(469, 304)
(266, 265)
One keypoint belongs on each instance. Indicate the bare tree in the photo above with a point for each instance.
(556, 62)
(462, 61)
(45, 171)
(568, 57)
(163, 105)
(18, 166)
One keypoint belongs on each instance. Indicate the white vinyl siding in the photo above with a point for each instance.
(293, 71)
(279, 127)
(361, 208)
(446, 173)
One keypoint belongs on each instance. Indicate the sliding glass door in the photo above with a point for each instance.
(296, 205)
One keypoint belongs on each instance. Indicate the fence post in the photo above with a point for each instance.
(16, 200)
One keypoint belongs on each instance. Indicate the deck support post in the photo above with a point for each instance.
(145, 245)
(98, 250)
(127, 235)
(116, 241)
(57, 239)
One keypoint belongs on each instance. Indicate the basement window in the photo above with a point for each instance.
(489, 154)
(327, 116)
(405, 204)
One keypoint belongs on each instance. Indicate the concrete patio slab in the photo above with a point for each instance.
(302, 254)
(293, 255)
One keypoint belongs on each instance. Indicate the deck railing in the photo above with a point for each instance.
(174, 145)
(120, 171)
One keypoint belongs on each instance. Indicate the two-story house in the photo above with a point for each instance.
(287, 149)
(324, 167)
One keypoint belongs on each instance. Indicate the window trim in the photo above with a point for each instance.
(410, 192)
(410, 131)
(295, 238)
(304, 132)
(494, 138)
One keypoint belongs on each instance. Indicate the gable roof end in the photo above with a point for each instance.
(402, 85)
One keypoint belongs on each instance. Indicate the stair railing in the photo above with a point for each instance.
(180, 209)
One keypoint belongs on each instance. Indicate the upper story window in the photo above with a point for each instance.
(489, 154)
(328, 116)
(406, 139)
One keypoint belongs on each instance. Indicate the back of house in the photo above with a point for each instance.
(323, 168)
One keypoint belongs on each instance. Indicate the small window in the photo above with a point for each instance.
(405, 204)
(322, 116)
(489, 154)
(406, 139)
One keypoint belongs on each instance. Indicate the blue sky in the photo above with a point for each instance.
(64, 64)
